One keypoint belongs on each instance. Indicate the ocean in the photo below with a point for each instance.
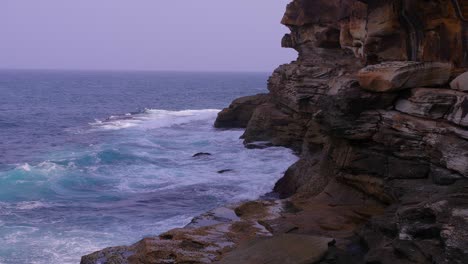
(96, 159)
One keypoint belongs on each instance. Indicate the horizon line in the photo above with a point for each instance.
(133, 70)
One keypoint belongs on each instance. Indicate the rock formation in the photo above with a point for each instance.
(376, 105)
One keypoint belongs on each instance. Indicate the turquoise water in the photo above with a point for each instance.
(95, 159)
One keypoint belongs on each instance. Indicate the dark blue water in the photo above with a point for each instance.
(95, 159)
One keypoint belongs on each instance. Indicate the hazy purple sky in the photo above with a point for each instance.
(185, 35)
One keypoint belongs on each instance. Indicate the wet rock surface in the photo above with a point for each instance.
(376, 107)
(284, 249)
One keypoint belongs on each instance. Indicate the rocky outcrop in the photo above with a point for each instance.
(240, 111)
(368, 105)
(382, 137)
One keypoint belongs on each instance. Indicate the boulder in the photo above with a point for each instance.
(399, 75)
(460, 83)
(238, 114)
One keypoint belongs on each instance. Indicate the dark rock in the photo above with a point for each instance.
(443, 176)
(224, 171)
(201, 154)
(302, 177)
(240, 111)
(275, 126)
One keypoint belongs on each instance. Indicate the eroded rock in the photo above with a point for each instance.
(436, 104)
(394, 76)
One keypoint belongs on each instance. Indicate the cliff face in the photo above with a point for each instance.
(369, 106)
(376, 105)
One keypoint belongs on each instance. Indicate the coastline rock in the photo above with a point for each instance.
(199, 242)
(399, 75)
(383, 162)
(282, 249)
(240, 111)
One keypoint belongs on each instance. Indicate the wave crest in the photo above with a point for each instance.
(154, 118)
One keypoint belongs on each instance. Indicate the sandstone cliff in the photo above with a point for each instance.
(376, 105)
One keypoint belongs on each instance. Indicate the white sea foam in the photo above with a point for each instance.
(154, 118)
(25, 167)
(49, 166)
(9, 208)
(45, 166)
(30, 205)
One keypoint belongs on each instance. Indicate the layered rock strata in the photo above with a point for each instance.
(376, 106)
(368, 104)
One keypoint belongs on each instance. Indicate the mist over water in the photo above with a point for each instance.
(96, 159)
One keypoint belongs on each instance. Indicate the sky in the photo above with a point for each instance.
(167, 35)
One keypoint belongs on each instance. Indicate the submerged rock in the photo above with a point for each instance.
(224, 171)
(201, 154)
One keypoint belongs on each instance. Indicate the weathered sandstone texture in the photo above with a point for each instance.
(376, 105)
(399, 75)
